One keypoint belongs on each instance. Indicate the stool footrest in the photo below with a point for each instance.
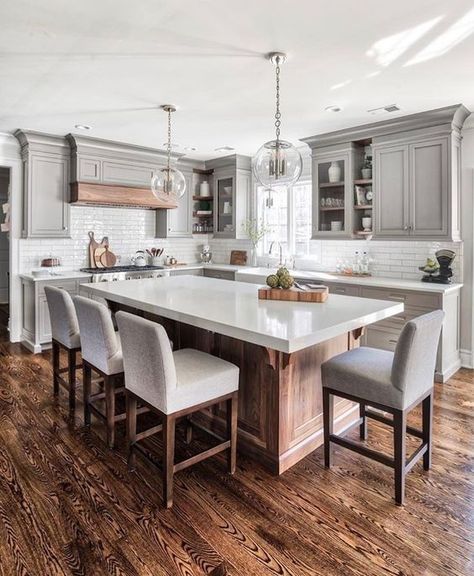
(355, 447)
(389, 422)
(201, 456)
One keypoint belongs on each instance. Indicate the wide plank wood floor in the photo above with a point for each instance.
(68, 505)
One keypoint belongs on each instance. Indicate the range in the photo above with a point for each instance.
(116, 273)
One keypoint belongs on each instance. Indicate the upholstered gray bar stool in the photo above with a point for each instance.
(65, 336)
(173, 385)
(391, 382)
(101, 353)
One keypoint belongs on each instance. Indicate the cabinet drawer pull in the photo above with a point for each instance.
(397, 297)
(392, 341)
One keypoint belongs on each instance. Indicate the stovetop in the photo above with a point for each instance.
(113, 269)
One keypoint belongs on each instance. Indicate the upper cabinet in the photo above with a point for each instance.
(415, 182)
(232, 187)
(177, 223)
(46, 165)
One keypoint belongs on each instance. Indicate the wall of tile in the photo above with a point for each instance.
(129, 230)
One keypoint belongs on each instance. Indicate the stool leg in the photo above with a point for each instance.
(363, 426)
(169, 425)
(427, 428)
(109, 385)
(328, 418)
(55, 358)
(71, 370)
(399, 444)
(189, 430)
(131, 403)
(86, 377)
(232, 410)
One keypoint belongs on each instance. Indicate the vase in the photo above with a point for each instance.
(253, 257)
(366, 173)
(334, 172)
(204, 189)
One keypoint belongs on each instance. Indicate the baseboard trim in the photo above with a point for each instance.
(467, 359)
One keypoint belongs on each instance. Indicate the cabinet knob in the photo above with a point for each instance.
(64, 227)
(406, 227)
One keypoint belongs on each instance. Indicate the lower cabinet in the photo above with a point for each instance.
(186, 272)
(220, 274)
(36, 333)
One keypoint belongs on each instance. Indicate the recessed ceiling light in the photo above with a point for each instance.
(165, 145)
(333, 108)
(190, 148)
(224, 149)
(82, 127)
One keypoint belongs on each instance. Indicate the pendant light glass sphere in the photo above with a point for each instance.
(168, 185)
(277, 162)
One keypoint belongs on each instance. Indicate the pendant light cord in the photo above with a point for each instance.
(277, 111)
(169, 141)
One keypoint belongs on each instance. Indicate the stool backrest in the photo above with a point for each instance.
(99, 341)
(147, 359)
(64, 324)
(415, 355)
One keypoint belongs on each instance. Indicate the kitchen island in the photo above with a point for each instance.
(279, 347)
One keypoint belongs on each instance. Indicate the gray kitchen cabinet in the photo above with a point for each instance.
(219, 274)
(177, 222)
(411, 189)
(186, 272)
(232, 189)
(391, 183)
(36, 332)
(46, 165)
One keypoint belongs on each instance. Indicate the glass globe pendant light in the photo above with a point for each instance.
(168, 184)
(277, 162)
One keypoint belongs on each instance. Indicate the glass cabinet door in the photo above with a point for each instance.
(225, 206)
(331, 196)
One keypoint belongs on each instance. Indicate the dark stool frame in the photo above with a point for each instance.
(168, 427)
(71, 383)
(400, 464)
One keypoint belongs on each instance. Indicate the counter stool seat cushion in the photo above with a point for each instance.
(200, 377)
(366, 373)
(64, 324)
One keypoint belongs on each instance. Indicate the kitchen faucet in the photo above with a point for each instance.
(280, 263)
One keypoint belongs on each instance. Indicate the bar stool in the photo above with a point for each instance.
(65, 336)
(173, 385)
(101, 353)
(390, 382)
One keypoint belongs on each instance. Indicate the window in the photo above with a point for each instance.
(286, 212)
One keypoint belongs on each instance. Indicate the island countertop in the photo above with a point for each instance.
(233, 309)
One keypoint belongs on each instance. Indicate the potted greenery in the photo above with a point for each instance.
(255, 230)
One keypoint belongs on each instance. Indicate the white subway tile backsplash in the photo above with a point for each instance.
(129, 230)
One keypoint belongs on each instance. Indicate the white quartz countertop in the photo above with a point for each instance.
(64, 275)
(260, 274)
(233, 309)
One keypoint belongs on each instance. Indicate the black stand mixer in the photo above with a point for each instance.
(444, 273)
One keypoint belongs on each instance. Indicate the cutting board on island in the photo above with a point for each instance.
(238, 257)
(318, 295)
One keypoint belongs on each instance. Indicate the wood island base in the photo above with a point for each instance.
(280, 416)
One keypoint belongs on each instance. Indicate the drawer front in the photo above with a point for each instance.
(345, 290)
(71, 286)
(399, 320)
(418, 299)
(383, 339)
(220, 274)
(195, 272)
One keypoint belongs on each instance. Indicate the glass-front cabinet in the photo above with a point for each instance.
(224, 201)
(332, 194)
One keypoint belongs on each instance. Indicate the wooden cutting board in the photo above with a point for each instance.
(98, 253)
(108, 258)
(238, 257)
(93, 245)
(294, 294)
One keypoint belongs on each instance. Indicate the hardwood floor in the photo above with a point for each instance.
(68, 505)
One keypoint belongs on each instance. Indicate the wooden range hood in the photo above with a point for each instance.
(89, 194)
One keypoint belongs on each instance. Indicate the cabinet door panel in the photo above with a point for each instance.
(89, 170)
(429, 188)
(117, 173)
(48, 208)
(391, 191)
(176, 222)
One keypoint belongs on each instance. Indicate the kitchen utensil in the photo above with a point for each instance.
(98, 253)
(238, 257)
(139, 259)
(108, 258)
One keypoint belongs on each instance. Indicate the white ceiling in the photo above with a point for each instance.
(110, 63)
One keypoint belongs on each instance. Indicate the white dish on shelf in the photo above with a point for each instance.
(40, 273)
